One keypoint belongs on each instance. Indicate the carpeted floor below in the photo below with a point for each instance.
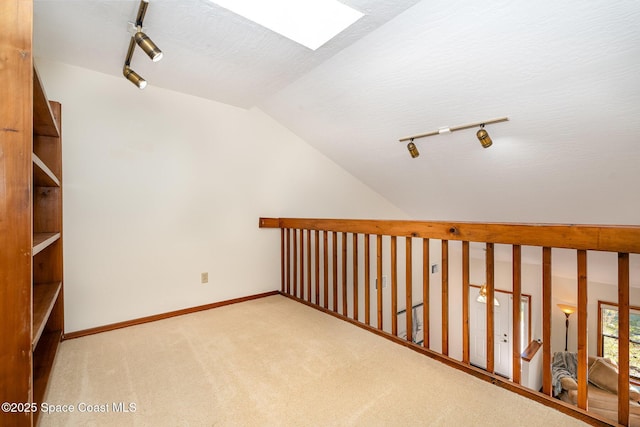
(269, 362)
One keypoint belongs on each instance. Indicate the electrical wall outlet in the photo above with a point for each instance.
(204, 277)
(384, 282)
(435, 268)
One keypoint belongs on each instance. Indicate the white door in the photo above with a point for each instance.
(502, 333)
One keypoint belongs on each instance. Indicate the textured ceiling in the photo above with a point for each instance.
(209, 51)
(566, 73)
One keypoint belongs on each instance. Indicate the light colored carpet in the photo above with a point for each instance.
(271, 362)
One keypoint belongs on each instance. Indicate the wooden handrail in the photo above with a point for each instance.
(530, 351)
(296, 238)
(609, 238)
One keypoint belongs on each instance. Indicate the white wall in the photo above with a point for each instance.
(161, 186)
(566, 292)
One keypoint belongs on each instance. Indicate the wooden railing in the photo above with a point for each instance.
(306, 258)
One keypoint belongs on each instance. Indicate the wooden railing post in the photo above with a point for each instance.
(334, 255)
(317, 245)
(355, 276)
(465, 303)
(302, 266)
(288, 261)
(623, 338)
(394, 286)
(295, 262)
(367, 280)
(426, 272)
(309, 296)
(409, 288)
(282, 260)
(379, 279)
(325, 248)
(344, 275)
(517, 300)
(582, 330)
(445, 297)
(490, 308)
(546, 321)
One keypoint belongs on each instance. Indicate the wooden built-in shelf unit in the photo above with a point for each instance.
(31, 266)
(47, 294)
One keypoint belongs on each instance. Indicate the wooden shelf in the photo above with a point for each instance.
(42, 175)
(44, 356)
(42, 240)
(44, 298)
(44, 122)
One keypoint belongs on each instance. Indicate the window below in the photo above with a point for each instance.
(608, 335)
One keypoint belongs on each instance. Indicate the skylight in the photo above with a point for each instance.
(311, 23)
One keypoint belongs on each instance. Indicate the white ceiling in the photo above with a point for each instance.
(208, 51)
(566, 73)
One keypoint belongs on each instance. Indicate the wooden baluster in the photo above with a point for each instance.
(309, 296)
(546, 321)
(334, 254)
(426, 273)
(367, 281)
(355, 276)
(288, 261)
(379, 280)
(282, 259)
(302, 266)
(317, 243)
(295, 262)
(582, 330)
(344, 275)
(325, 234)
(623, 338)
(409, 289)
(490, 308)
(465, 303)
(517, 297)
(394, 286)
(445, 297)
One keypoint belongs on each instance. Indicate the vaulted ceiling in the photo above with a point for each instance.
(566, 73)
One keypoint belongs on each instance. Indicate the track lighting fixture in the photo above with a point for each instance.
(482, 134)
(148, 46)
(145, 43)
(483, 137)
(134, 77)
(413, 150)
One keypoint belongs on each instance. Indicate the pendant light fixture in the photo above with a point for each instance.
(482, 134)
(482, 296)
(145, 43)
